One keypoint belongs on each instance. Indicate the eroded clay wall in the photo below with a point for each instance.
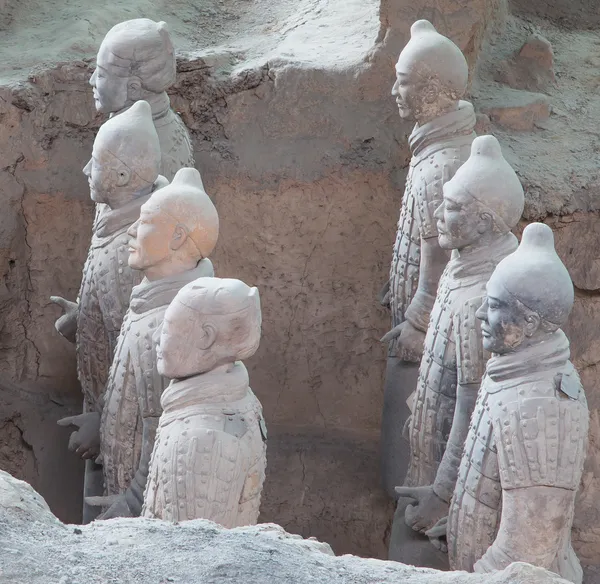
(306, 162)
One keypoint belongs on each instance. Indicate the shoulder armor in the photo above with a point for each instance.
(150, 384)
(471, 357)
(433, 173)
(541, 441)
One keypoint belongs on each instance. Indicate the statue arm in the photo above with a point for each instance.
(447, 474)
(135, 493)
(531, 527)
(471, 360)
(433, 263)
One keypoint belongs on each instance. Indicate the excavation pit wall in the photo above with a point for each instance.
(305, 158)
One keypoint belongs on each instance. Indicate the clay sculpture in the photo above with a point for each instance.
(524, 453)
(431, 79)
(209, 458)
(170, 243)
(122, 174)
(481, 204)
(136, 61)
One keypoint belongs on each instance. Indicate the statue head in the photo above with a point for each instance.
(126, 157)
(136, 59)
(483, 199)
(431, 75)
(529, 295)
(211, 322)
(178, 227)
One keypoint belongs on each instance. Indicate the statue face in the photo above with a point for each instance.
(176, 354)
(407, 91)
(103, 175)
(151, 237)
(504, 322)
(459, 218)
(110, 91)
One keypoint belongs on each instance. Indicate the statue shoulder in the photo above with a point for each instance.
(541, 441)
(429, 178)
(470, 354)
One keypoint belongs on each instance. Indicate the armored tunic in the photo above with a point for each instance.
(438, 148)
(453, 354)
(529, 429)
(209, 457)
(175, 143)
(134, 386)
(104, 296)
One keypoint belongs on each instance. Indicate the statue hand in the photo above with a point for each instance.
(117, 506)
(406, 429)
(384, 295)
(393, 334)
(409, 346)
(66, 325)
(86, 440)
(411, 342)
(427, 510)
(437, 535)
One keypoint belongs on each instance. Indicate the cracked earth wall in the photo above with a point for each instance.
(305, 160)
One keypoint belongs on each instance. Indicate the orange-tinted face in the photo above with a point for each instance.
(150, 238)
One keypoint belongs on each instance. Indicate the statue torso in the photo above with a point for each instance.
(133, 388)
(452, 354)
(428, 171)
(220, 451)
(103, 300)
(524, 432)
(175, 143)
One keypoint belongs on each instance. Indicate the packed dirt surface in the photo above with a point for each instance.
(36, 548)
(558, 162)
(582, 14)
(228, 31)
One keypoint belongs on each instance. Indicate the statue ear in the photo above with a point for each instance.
(486, 223)
(207, 336)
(179, 237)
(533, 322)
(123, 176)
(431, 91)
(134, 89)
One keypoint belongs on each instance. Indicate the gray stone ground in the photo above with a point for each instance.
(36, 548)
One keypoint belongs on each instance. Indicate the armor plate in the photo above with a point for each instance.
(208, 462)
(103, 301)
(423, 194)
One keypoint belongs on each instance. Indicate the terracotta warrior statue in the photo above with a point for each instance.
(209, 458)
(122, 174)
(527, 442)
(136, 61)
(170, 244)
(431, 79)
(481, 204)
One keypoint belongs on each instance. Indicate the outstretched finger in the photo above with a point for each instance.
(64, 304)
(77, 420)
(101, 501)
(438, 530)
(393, 334)
(410, 492)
